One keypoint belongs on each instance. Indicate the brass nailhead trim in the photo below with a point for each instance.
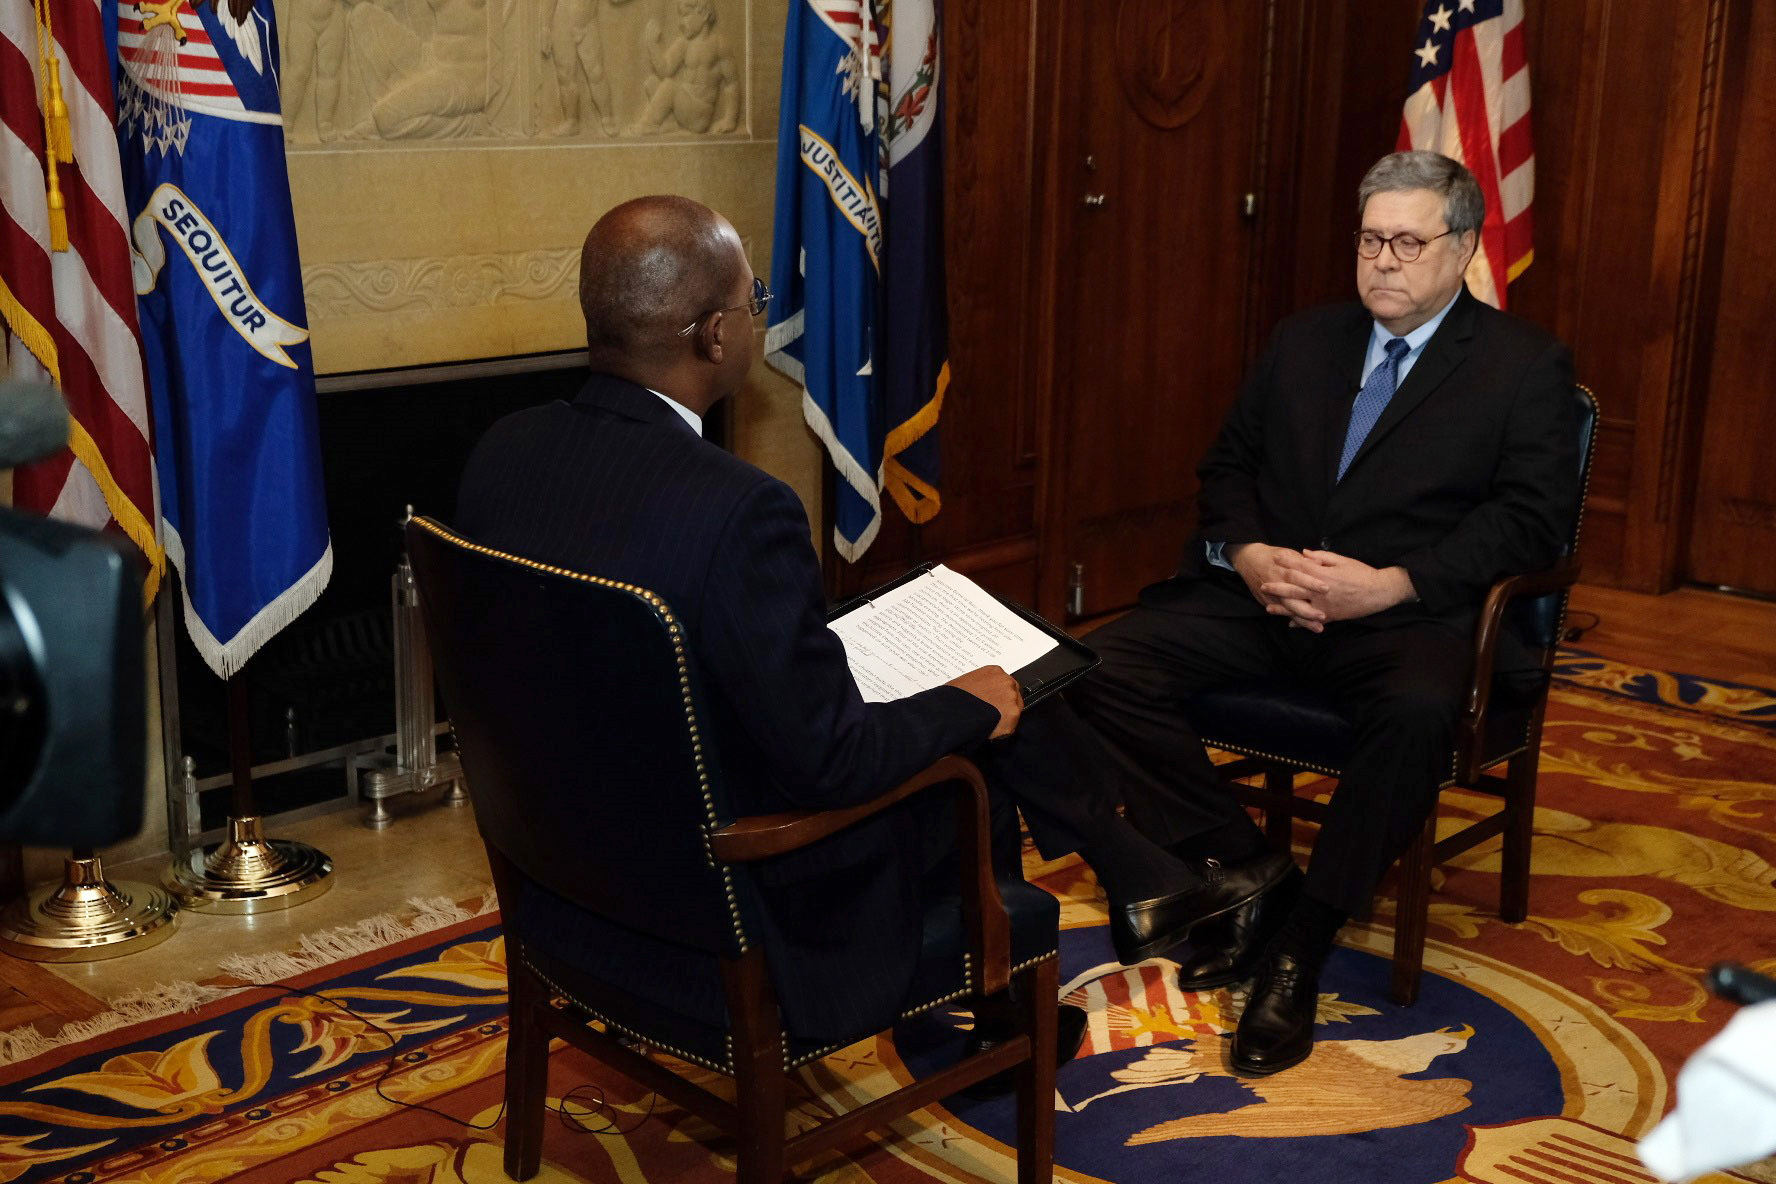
(664, 612)
(910, 1012)
(613, 1026)
(1270, 756)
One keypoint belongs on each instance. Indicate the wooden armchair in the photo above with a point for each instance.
(630, 892)
(1278, 730)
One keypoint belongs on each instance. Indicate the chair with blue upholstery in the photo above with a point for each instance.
(1277, 730)
(627, 884)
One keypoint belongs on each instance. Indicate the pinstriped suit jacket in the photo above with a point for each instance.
(617, 485)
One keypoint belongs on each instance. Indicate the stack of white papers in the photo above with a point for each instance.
(923, 633)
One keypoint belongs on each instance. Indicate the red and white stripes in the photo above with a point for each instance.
(186, 73)
(1478, 113)
(71, 315)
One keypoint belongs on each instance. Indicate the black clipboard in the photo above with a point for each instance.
(1070, 658)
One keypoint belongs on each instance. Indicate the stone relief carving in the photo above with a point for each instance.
(367, 71)
(694, 80)
(396, 285)
(574, 44)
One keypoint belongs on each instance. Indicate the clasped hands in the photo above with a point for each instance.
(1314, 588)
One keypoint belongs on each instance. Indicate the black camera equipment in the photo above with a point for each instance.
(1740, 984)
(73, 715)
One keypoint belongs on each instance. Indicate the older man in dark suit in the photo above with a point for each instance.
(1384, 463)
(621, 484)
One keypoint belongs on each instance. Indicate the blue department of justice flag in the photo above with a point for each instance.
(219, 291)
(827, 253)
(915, 371)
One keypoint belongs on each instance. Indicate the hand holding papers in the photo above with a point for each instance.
(998, 690)
(927, 629)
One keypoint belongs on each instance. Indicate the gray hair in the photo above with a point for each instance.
(1464, 206)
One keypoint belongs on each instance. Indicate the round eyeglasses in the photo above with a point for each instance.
(755, 304)
(1406, 247)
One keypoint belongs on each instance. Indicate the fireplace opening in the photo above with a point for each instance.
(322, 692)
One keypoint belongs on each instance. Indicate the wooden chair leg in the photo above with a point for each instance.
(1519, 835)
(1036, 1077)
(1279, 820)
(760, 1084)
(527, 1071)
(1412, 913)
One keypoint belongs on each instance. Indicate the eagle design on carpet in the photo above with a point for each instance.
(1346, 1086)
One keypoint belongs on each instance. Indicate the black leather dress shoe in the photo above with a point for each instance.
(1276, 1029)
(1227, 949)
(1069, 1036)
(1142, 928)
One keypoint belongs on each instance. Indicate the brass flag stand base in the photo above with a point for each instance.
(86, 917)
(248, 873)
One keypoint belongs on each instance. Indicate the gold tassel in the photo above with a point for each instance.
(58, 136)
(61, 137)
(58, 210)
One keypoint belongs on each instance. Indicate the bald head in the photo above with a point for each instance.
(650, 267)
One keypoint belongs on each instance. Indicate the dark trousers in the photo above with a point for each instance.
(1052, 767)
(1399, 686)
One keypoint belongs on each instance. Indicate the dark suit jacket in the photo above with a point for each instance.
(1471, 473)
(617, 485)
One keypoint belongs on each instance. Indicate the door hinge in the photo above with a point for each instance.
(1076, 590)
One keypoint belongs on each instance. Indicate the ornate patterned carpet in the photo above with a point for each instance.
(1537, 1052)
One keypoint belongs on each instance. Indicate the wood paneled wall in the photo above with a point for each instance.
(1634, 142)
(1637, 108)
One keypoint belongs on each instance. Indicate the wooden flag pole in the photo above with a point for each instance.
(246, 872)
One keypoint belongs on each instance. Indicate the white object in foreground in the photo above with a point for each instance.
(1726, 1102)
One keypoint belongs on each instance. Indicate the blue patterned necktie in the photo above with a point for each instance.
(1372, 400)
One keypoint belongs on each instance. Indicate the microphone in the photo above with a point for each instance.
(33, 422)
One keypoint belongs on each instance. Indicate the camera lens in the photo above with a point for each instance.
(22, 723)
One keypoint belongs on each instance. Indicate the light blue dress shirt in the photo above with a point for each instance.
(1415, 342)
(1378, 339)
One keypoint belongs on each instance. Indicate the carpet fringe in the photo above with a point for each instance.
(314, 951)
(151, 1003)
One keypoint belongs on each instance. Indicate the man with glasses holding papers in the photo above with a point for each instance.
(621, 484)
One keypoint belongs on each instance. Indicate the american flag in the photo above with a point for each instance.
(1470, 101)
(66, 293)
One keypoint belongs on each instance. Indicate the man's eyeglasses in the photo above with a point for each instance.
(761, 296)
(1406, 247)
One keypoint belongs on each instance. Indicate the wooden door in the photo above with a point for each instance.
(1732, 534)
(1156, 106)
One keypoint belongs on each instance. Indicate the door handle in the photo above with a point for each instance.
(1093, 199)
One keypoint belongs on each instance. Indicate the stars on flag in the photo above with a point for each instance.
(1472, 103)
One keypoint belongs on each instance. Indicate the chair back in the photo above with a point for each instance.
(572, 698)
(1540, 620)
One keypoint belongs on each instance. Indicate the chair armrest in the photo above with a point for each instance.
(1564, 574)
(983, 909)
(760, 836)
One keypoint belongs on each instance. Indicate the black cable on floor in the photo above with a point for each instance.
(1578, 624)
(569, 1119)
